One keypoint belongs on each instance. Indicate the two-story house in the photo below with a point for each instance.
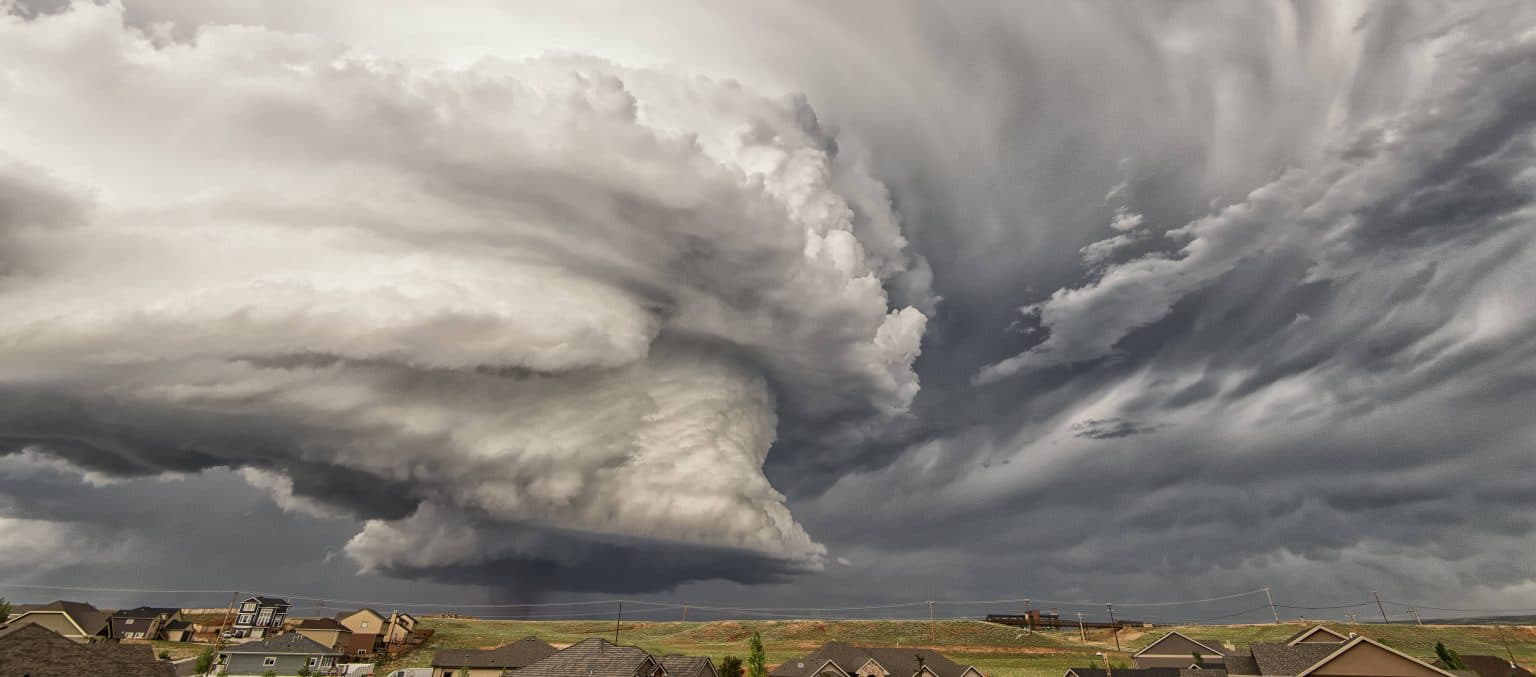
(259, 616)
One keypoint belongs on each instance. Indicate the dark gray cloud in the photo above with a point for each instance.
(1275, 258)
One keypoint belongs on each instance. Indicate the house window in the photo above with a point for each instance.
(245, 619)
(248, 606)
(365, 625)
(447, 673)
(313, 660)
(325, 662)
(269, 661)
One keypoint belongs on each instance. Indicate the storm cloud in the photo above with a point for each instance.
(1146, 300)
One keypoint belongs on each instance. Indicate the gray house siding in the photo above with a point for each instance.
(252, 664)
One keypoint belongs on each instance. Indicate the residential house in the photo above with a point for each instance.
(844, 659)
(1491, 666)
(34, 650)
(1176, 650)
(178, 631)
(260, 616)
(75, 621)
(399, 627)
(145, 622)
(1215, 671)
(282, 654)
(596, 657)
(327, 632)
(490, 662)
(1317, 634)
(367, 627)
(688, 666)
(1360, 656)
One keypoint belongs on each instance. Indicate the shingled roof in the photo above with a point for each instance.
(321, 624)
(688, 666)
(593, 657)
(34, 649)
(1492, 666)
(1282, 659)
(89, 618)
(145, 612)
(290, 643)
(513, 655)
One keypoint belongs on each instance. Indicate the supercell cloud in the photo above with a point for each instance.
(553, 294)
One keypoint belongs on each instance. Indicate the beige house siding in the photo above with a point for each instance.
(336, 639)
(1368, 660)
(1321, 636)
(364, 622)
(1175, 651)
(56, 622)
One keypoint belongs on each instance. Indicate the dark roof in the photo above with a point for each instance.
(594, 657)
(178, 625)
(289, 643)
(90, 619)
(1279, 659)
(688, 666)
(32, 648)
(344, 614)
(321, 624)
(268, 601)
(900, 661)
(515, 655)
(1492, 666)
(1241, 664)
(145, 612)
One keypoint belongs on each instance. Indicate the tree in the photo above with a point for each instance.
(1449, 657)
(205, 661)
(304, 671)
(730, 666)
(1199, 659)
(165, 655)
(921, 662)
(5, 610)
(269, 673)
(757, 662)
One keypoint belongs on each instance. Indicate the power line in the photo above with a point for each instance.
(1474, 611)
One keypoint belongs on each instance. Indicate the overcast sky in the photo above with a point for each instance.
(770, 304)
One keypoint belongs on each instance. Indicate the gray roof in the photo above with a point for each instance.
(321, 624)
(1492, 666)
(688, 666)
(1127, 672)
(1279, 659)
(515, 655)
(289, 643)
(146, 612)
(593, 657)
(1241, 664)
(268, 601)
(1307, 630)
(900, 661)
(34, 649)
(90, 619)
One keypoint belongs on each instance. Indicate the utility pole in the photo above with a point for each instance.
(1029, 617)
(1080, 631)
(933, 633)
(218, 644)
(685, 612)
(1380, 608)
(1414, 611)
(1272, 611)
(1114, 625)
(1500, 629)
(616, 621)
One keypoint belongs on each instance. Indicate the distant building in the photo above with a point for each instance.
(595, 657)
(326, 631)
(689, 666)
(145, 622)
(260, 616)
(490, 662)
(1305, 654)
(1175, 650)
(367, 627)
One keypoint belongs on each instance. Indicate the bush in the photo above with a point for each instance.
(205, 661)
(730, 666)
(165, 655)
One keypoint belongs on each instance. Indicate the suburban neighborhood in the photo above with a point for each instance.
(260, 636)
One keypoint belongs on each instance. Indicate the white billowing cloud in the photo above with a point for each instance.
(557, 292)
(281, 489)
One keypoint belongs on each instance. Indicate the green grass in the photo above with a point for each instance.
(179, 650)
(999, 651)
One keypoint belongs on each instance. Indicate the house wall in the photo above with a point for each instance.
(1175, 652)
(364, 622)
(336, 639)
(1368, 660)
(1320, 637)
(251, 664)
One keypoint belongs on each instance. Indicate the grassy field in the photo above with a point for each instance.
(998, 650)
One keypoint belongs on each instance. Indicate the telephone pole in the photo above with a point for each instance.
(685, 612)
(933, 633)
(1272, 611)
(1414, 611)
(1080, 631)
(218, 644)
(616, 621)
(1500, 629)
(1380, 608)
(1029, 617)
(1114, 625)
